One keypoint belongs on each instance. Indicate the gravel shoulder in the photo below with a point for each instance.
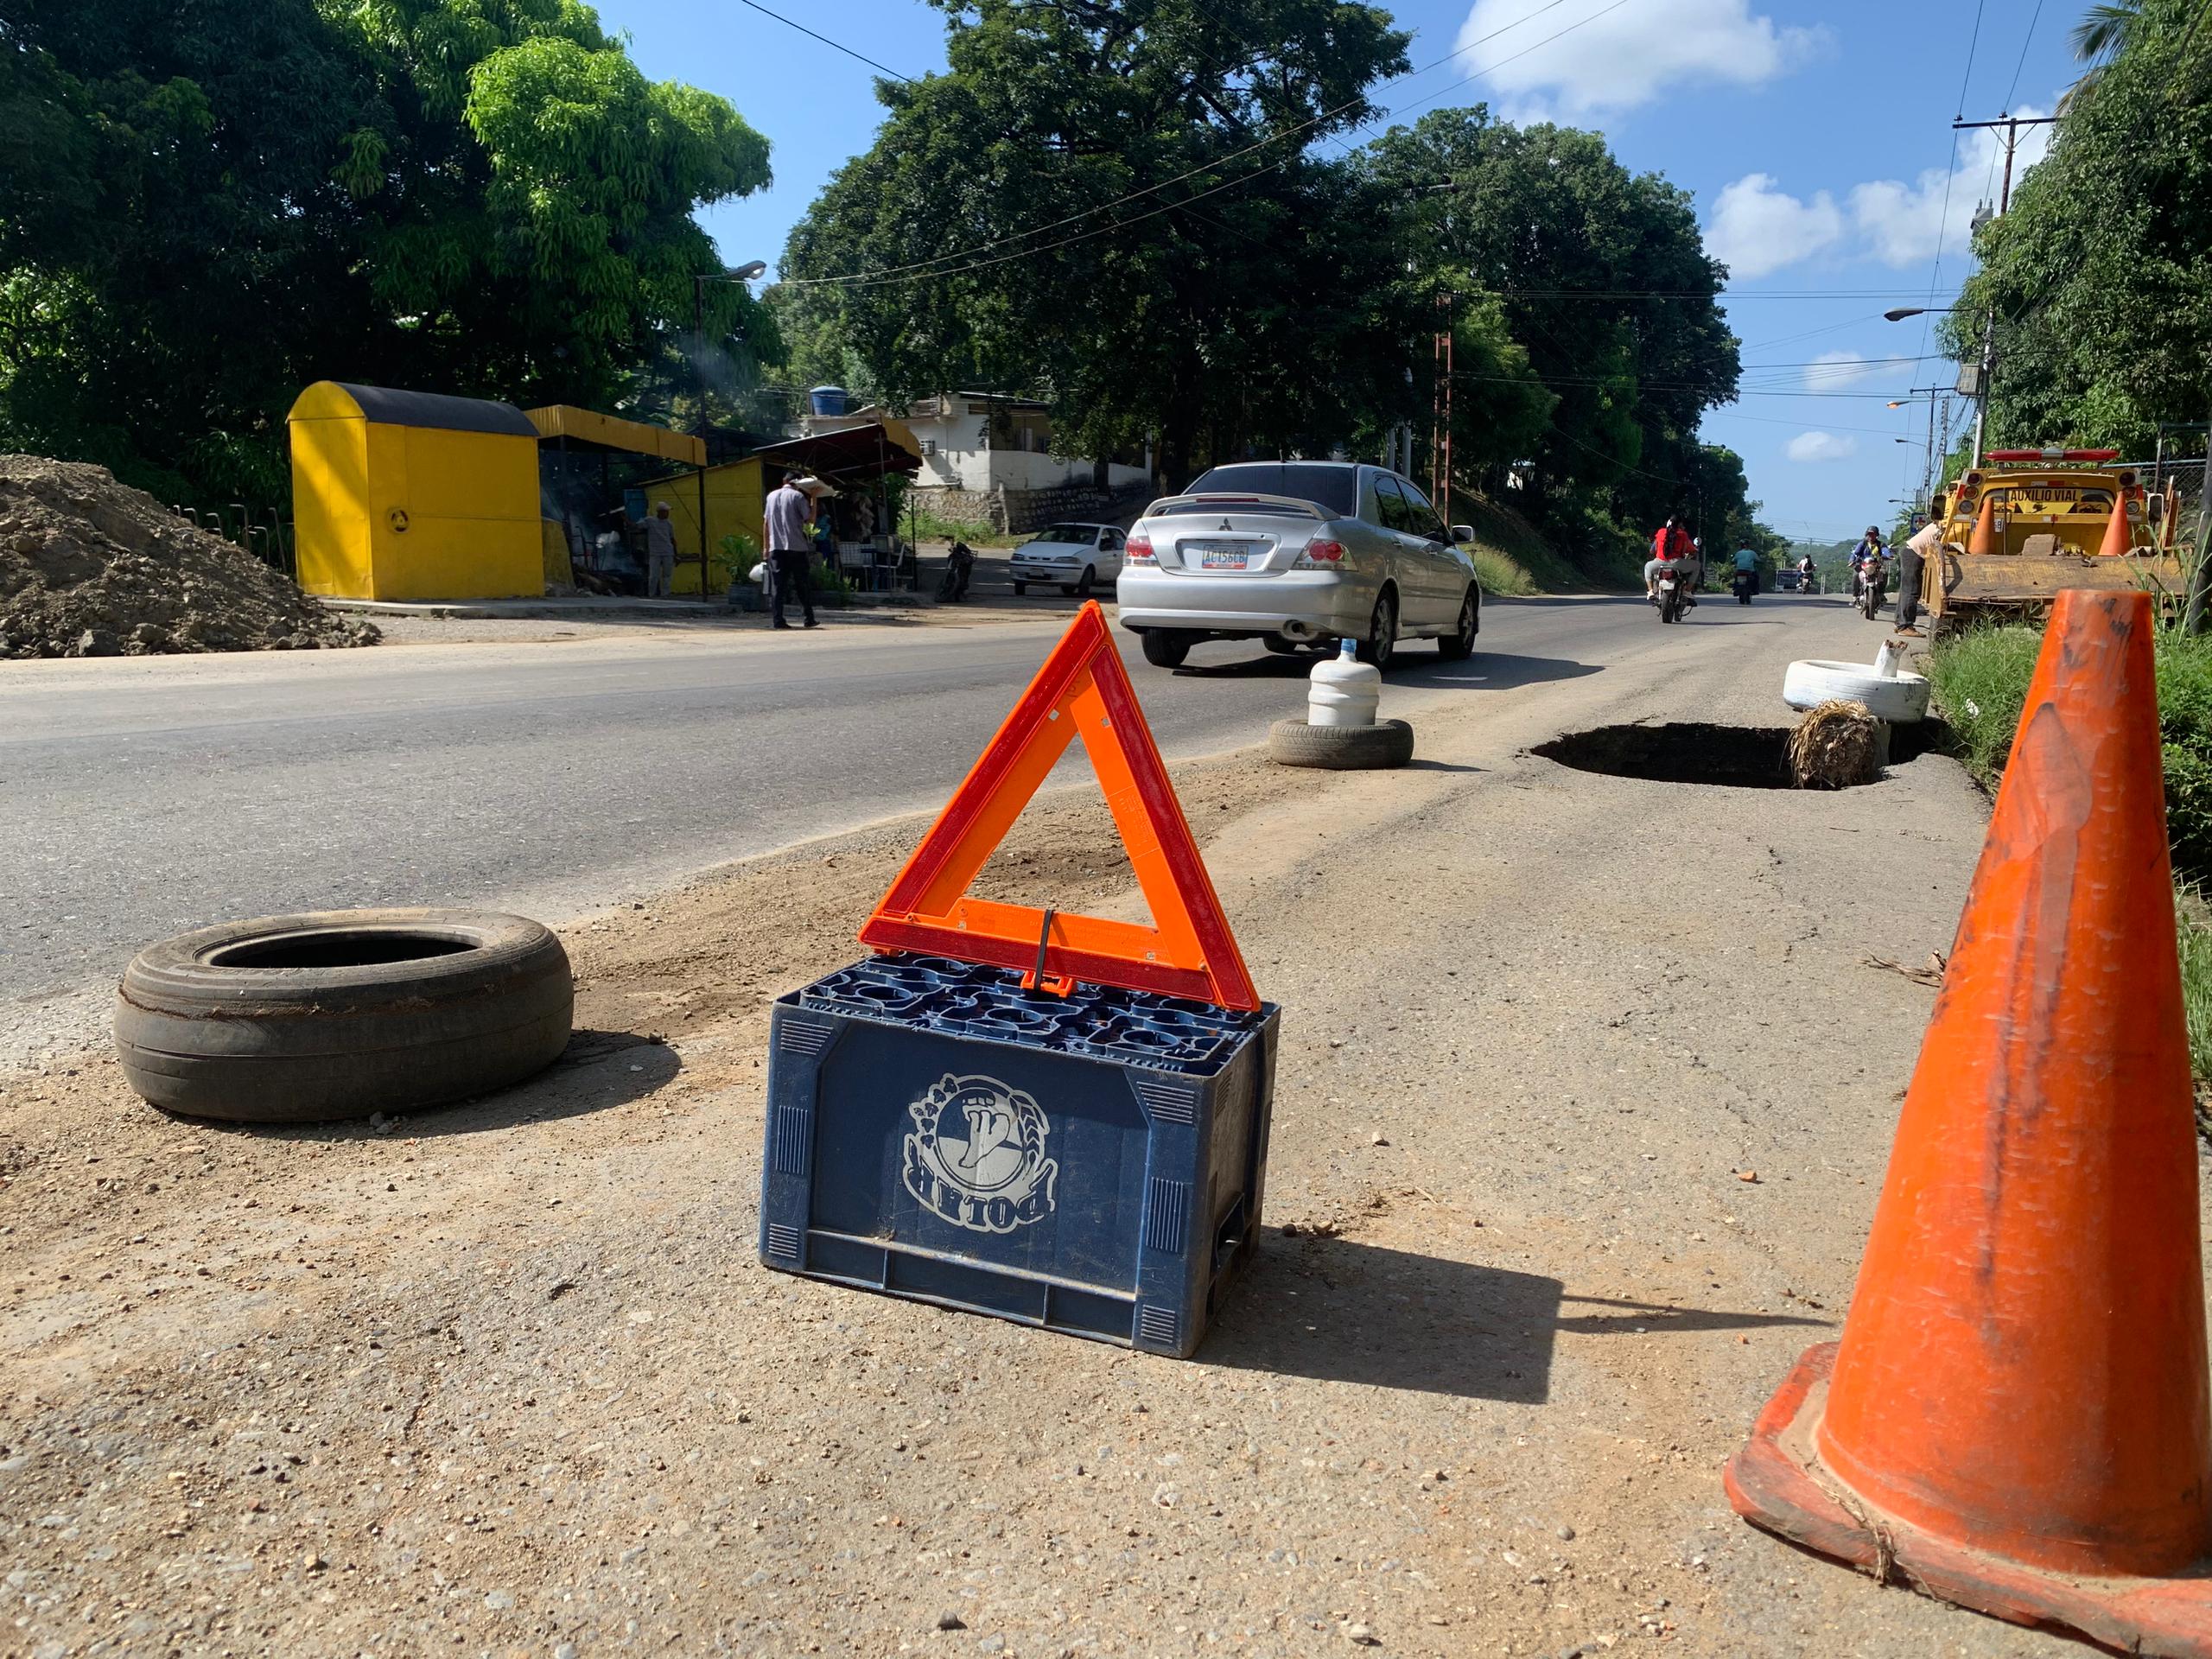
(1585, 1093)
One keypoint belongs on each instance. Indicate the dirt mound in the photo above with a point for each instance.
(92, 568)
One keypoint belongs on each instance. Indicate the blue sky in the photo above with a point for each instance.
(1816, 139)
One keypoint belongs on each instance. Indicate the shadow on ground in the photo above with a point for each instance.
(1491, 671)
(1339, 1311)
(599, 1069)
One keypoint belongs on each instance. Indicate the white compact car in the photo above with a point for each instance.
(1075, 556)
(1298, 553)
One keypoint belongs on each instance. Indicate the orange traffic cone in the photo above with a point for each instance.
(2016, 1419)
(1984, 539)
(2119, 535)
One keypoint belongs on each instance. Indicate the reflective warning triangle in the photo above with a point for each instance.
(1083, 688)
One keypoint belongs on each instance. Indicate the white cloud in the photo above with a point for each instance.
(1901, 222)
(1630, 55)
(1755, 229)
(1820, 446)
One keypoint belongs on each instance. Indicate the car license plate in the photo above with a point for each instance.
(1220, 555)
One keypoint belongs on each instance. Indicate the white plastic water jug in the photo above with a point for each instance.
(1345, 691)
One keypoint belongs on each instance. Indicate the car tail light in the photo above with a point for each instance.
(1321, 554)
(1138, 549)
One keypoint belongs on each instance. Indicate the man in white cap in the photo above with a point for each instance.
(660, 552)
(786, 518)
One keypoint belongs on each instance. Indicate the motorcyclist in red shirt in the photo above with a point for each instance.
(1670, 544)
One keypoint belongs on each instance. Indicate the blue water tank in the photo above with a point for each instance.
(827, 400)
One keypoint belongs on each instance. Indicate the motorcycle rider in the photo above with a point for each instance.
(1669, 545)
(959, 565)
(1870, 547)
(1747, 564)
(1807, 574)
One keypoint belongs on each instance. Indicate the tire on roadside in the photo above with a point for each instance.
(337, 1014)
(1340, 748)
(1900, 700)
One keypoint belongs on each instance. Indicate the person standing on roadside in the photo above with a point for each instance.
(1923, 547)
(786, 524)
(660, 553)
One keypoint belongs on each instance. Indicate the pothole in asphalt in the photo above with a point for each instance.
(1734, 757)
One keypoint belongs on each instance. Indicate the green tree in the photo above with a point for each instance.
(201, 212)
(1218, 303)
(2099, 277)
(1601, 279)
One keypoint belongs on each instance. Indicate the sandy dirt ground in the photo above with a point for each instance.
(1585, 1092)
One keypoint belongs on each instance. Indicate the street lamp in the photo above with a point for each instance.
(744, 273)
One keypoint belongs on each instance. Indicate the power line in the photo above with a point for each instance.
(870, 279)
(1769, 420)
(2033, 17)
(838, 46)
(1586, 383)
(1973, 41)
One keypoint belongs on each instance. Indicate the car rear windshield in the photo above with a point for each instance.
(1334, 489)
(1066, 533)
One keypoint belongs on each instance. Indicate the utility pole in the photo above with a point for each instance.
(2009, 125)
(1440, 431)
(2012, 125)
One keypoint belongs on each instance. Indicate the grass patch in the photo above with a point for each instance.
(1512, 557)
(1981, 681)
(927, 526)
(2193, 924)
(1500, 573)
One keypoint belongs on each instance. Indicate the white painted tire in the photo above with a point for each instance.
(1900, 700)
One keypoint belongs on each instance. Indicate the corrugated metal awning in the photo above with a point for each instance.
(591, 429)
(852, 453)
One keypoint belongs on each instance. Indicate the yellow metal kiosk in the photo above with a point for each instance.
(402, 495)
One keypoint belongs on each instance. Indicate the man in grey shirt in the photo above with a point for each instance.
(785, 518)
(660, 552)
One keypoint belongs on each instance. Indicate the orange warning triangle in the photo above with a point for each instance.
(1081, 689)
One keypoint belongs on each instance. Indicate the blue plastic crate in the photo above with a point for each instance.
(1091, 1163)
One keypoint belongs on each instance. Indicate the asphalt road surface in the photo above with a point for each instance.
(143, 797)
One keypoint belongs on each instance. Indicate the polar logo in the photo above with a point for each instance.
(976, 1157)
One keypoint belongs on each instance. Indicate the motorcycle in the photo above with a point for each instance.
(1669, 595)
(1746, 584)
(1872, 580)
(957, 566)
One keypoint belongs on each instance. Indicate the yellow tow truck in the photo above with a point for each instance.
(2026, 523)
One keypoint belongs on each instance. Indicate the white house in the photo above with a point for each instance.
(958, 451)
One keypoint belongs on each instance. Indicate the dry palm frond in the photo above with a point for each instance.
(1834, 747)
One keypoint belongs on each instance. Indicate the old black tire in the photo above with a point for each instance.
(339, 1013)
(1165, 647)
(1340, 748)
(1459, 645)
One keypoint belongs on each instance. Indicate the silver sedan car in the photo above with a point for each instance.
(1298, 553)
